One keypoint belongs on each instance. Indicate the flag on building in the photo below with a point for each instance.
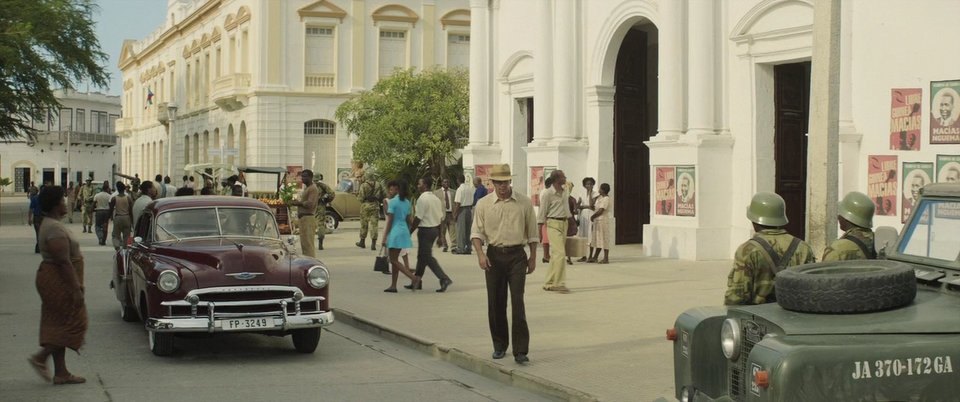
(149, 98)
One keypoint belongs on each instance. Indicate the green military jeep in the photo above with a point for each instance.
(873, 330)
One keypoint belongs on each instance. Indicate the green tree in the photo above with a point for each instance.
(44, 44)
(4, 182)
(410, 124)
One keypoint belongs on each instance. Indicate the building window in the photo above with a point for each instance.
(319, 127)
(319, 58)
(393, 52)
(98, 122)
(66, 119)
(112, 124)
(458, 51)
(81, 120)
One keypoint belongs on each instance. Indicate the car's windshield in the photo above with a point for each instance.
(934, 231)
(214, 222)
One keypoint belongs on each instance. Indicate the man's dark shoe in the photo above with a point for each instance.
(361, 244)
(444, 285)
(373, 246)
(521, 358)
(499, 354)
(410, 286)
(444, 249)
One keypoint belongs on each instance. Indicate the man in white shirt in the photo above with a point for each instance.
(101, 210)
(147, 193)
(171, 189)
(463, 215)
(427, 222)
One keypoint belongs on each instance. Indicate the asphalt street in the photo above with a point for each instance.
(349, 365)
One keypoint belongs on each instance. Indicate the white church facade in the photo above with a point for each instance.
(688, 107)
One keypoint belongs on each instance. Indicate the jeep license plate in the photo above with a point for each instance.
(241, 324)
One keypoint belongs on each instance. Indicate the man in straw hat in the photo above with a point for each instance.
(504, 220)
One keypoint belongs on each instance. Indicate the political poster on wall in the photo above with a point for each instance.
(948, 171)
(345, 180)
(945, 112)
(666, 189)
(483, 172)
(882, 183)
(905, 117)
(536, 184)
(686, 191)
(915, 176)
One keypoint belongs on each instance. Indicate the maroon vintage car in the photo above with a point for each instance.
(218, 264)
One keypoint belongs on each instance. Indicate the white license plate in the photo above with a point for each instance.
(241, 324)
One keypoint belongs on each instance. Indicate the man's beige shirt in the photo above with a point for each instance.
(503, 223)
(553, 204)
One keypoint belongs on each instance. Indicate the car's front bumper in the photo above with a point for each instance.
(206, 324)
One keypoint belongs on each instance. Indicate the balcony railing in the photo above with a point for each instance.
(124, 125)
(78, 138)
(320, 82)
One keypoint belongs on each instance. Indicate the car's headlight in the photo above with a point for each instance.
(730, 338)
(168, 281)
(317, 277)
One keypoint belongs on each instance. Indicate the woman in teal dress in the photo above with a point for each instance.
(398, 232)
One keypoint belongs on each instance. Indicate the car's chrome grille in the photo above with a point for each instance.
(751, 333)
(240, 301)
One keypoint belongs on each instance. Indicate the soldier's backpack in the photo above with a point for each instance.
(870, 253)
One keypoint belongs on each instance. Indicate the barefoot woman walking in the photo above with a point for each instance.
(63, 315)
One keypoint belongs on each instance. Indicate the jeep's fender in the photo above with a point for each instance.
(696, 352)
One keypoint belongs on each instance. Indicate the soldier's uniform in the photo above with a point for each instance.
(770, 251)
(371, 194)
(751, 280)
(326, 195)
(86, 197)
(855, 244)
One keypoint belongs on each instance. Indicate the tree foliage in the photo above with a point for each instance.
(410, 124)
(44, 44)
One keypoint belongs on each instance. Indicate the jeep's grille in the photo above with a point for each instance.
(740, 380)
(244, 301)
(245, 296)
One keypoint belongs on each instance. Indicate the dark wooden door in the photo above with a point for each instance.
(792, 102)
(631, 128)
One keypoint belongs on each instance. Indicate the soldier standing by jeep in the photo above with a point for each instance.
(371, 193)
(856, 220)
(770, 251)
(86, 197)
(326, 196)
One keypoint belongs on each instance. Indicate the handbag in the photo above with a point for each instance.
(381, 264)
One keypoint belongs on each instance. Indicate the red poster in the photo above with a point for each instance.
(882, 183)
(666, 190)
(905, 119)
(293, 175)
(536, 184)
(483, 172)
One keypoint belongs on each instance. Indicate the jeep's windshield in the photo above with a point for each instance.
(934, 231)
(215, 222)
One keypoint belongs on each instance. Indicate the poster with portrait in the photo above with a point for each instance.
(536, 184)
(948, 171)
(882, 183)
(293, 175)
(915, 176)
(468, 174)
(945, 112)
(666, 189)
(483, 172)
(905, 117)
(345, 180)
(686, 191)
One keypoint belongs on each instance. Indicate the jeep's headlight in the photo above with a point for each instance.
(168, 281)
(317, 277)
(730, 338)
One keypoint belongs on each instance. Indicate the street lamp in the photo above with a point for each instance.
(167, 116)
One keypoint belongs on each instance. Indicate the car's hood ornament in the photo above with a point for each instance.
(244, 276)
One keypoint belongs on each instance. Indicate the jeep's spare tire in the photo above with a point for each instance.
(858, 286)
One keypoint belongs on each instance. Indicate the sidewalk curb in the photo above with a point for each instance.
(484, 367)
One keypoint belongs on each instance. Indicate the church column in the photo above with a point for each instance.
(670, 70)
(702, 64)
(479, 73)
(565, 86)
(357, 16)
(542, 73)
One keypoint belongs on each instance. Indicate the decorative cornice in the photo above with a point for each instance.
(456, 18)
(322, 9)
(178, 29)
(388, 13)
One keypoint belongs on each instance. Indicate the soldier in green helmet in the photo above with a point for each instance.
(770, 251)
(856, 220)
(371, 195)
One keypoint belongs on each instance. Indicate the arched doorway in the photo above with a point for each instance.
(634, 122)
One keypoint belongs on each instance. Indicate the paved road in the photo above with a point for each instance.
(349, 365)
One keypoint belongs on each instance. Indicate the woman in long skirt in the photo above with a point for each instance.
(63, 314)
(600, 236)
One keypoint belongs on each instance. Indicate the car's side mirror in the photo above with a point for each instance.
(138, 240)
